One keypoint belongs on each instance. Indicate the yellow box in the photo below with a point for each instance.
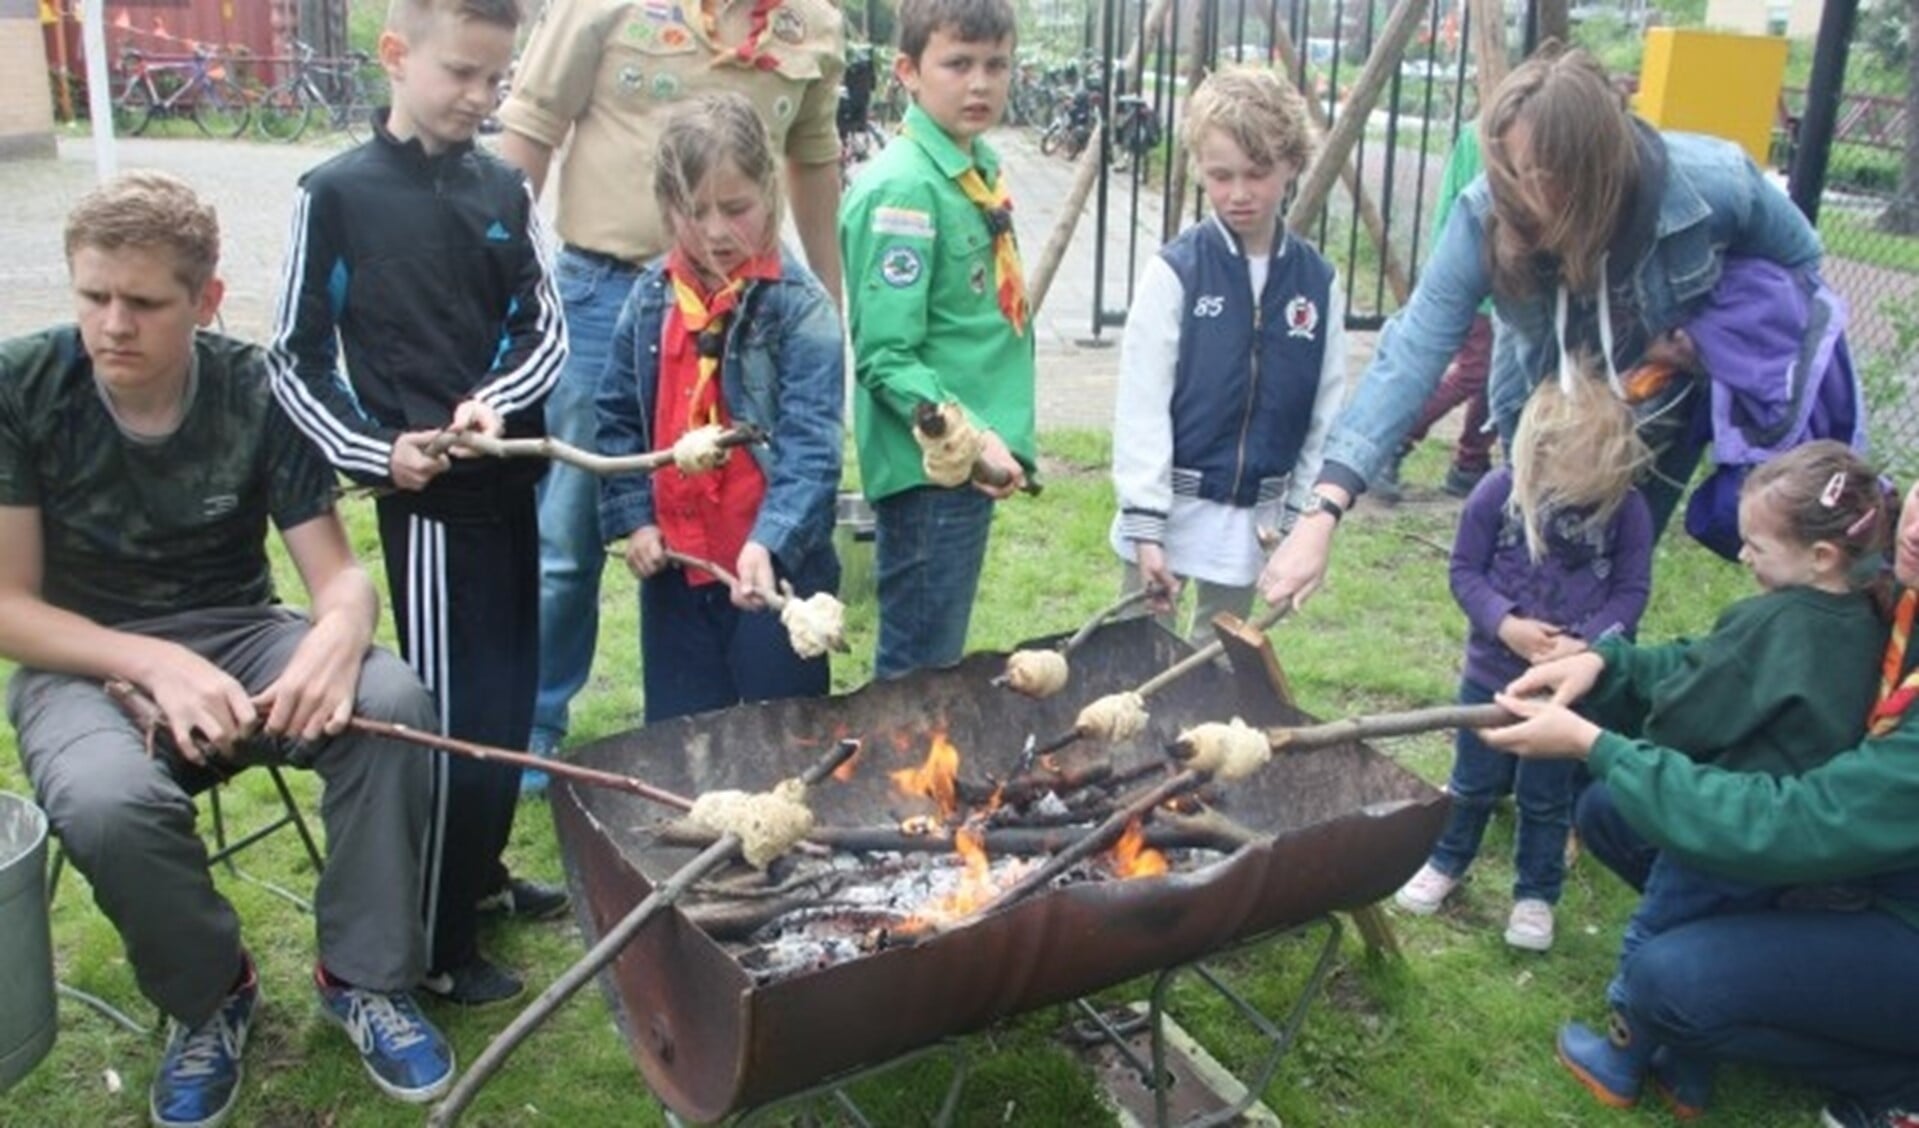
(1713, 82)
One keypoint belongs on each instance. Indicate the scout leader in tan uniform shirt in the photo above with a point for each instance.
(606, 74)
(609, 71)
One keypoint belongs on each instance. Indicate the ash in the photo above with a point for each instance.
(883, 900)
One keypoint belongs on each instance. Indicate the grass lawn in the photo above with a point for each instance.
(1458, 1033)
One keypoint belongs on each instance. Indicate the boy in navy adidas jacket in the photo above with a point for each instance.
(1233, 362)
(424, 259)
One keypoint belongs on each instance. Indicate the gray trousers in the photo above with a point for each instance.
(1209, 599)
(127, 821)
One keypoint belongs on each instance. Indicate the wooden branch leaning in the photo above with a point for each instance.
(1381, 66)
(614, 941)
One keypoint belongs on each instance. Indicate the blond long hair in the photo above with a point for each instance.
(1581, 148)
(702, 135)
(1576, 449)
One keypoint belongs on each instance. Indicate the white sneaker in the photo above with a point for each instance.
(1422, 895)
(1530, 926)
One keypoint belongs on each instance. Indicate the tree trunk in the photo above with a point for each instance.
(1902, 217)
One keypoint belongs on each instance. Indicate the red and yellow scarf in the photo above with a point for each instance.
(1895, 694)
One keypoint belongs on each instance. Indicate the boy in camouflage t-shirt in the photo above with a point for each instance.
(139, 463)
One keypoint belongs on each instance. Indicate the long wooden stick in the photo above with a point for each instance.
(1376, 726)
(592, 777)
(1266, 620)
(592, 463)
(774, 600)
(604, 953)
(559, 450)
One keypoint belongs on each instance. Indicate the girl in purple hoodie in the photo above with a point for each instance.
(1553, 553)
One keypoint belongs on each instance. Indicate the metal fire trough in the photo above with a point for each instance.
(1348, 828)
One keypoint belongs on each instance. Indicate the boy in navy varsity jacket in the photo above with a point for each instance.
(1233, 362)
(423, 258)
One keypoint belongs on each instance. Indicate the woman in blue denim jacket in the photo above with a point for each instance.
(1590, 231)
(727, 328)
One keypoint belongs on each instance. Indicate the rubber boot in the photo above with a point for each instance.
(1684, 1082)
(1612, 1066)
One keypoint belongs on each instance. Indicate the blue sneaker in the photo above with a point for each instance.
(200, 1072)
(407, 1058)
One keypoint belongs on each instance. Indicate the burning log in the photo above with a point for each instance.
(1181, 832)
(813, 625)
(950, 448)
(1095, 840)
(605, 952)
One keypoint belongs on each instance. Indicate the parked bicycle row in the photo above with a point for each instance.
(222, 94)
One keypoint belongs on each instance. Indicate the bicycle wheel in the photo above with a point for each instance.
(220, 108)
(283, 113)
(133, 109)
(357, 116)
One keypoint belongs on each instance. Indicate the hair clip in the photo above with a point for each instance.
(1835, 489)
(1863, 523)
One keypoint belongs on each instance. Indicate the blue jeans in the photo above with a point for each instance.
(699, 652)
(1677, 894)
(572, 554)
(1541, 788)
(928, 547)
(1826, 995)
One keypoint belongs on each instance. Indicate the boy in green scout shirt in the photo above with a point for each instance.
(937, 305)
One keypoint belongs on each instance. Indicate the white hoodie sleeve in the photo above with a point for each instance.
(1143, 410)
(1331, 397)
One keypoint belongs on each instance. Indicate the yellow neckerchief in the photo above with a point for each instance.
(1895, 695)
(705, 320)
(996, 205)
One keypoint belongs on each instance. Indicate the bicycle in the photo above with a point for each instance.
(195, 87)
(287, 109)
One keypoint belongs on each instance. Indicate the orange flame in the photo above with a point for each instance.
(1131, 857)
(934, 779)
(976, 886)
(844, 773)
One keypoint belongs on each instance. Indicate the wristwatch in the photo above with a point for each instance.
(1317, 502)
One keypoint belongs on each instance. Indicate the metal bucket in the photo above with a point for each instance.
(26, 943)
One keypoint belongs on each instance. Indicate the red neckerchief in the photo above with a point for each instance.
(708, 515)
(748, 53)
(1895, 695)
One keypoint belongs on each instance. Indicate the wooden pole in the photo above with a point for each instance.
(1488, 18)
(1395, 270)
(1380, 67)
(1040, 279)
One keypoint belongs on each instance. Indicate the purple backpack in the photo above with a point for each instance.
(1772, 341)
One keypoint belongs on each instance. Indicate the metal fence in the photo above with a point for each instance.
(1869, 220)
(1386, 200)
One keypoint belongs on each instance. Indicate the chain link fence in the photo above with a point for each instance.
(1869, 220)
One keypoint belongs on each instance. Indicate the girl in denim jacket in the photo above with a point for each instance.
(1590, 231)
(729, 329)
